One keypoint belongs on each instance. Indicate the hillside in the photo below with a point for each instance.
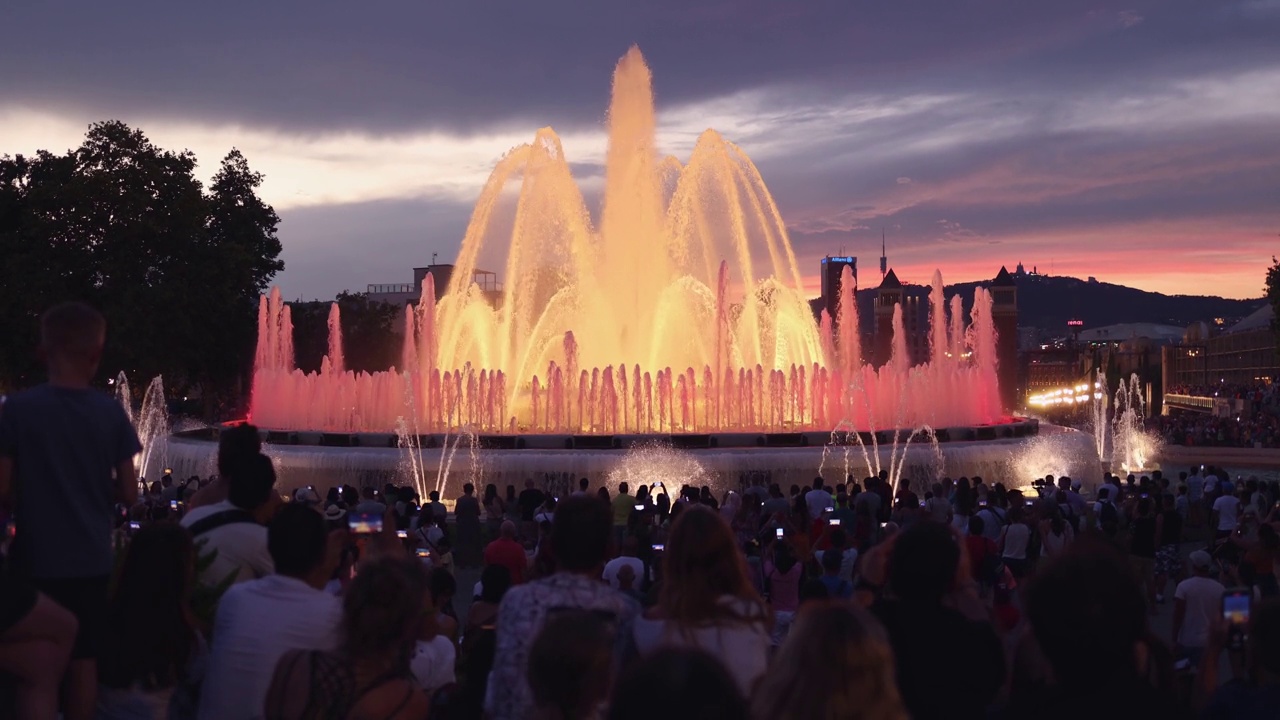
(1048, 302)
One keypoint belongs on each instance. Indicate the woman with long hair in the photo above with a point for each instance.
(837, 665)
(153, 653)
(1055, 533)
(707, 600)
(494, 509)
(369, 675)
(783, 572)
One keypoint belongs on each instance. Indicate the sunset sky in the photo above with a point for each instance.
(1136, 142)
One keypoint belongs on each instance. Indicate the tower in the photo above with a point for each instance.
(884, 260)
(1004, 313)
(888, 295)
(832, 267)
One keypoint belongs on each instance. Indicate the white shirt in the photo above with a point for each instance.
(1016, 537)
(1203, 598)
(257, 623)
(818, 501)
(432, 663)
(242, 546)
(742, 647)
(848, 560)
(938, 508)
(1228, 509)
(611, 568)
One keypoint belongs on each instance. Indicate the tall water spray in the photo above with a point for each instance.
(150, 422)
(682, 311)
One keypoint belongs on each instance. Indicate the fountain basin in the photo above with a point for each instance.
(1004, 452)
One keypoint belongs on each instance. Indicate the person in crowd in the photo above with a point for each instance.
(1261, 556)
(1196, 603)
(677, 683)
(547, 512)
(1168, 536)
(603, 495)
(571, 666)
(439, 513)
(508, 553)
(466, 518)
(1014, 541)
(1257, 694)
(580, 538)
(234, 527)
(36, 637)
(783, 573)
(937, 506)
(367, 674)
(818, 500)
(583, 486)
(435, 654)
(1143, 541)
(835, 665)
(478, 643)
(1056, 532)
(258, 621)
(775, 507)
(707, 601)
(622, 504)
(531, 498)
(443, 586)
(628, 558)
(949, 664)
(66, 455)
(1089, 620)
(369, 502)
(1225, 515)
(836, 586)
(494, 509)
(153, 654)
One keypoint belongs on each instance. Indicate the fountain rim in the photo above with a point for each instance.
(1007, 428)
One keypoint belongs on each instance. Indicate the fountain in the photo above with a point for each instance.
(151, 423)
(679, 313)
(1122, 442)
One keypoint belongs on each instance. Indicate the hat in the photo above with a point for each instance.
(334, 513)
(1075, 484)
(306, 495)
(1201, 559)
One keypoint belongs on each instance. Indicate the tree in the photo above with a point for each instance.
(1272, 291)
(371, 333)
(125, 226)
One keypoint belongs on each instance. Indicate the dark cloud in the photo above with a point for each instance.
(465, 66)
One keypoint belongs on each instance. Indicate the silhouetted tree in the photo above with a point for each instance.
(1272, 290)
(125, 226)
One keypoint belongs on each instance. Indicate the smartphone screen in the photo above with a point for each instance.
(364, 523)
(659, 547)
(423, 552)
(402, 534)
(1235, 611)
(833, 521)
(639, 507)
(173, 505)
(778, 533)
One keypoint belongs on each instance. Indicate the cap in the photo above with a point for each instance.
(333, 512)
(1201, 559)
(1075, 484)
(306, 495)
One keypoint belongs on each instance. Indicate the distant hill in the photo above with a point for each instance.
(1048, 302)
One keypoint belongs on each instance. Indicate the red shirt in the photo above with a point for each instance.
(510, 555)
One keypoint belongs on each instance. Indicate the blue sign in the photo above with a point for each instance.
(839, 259)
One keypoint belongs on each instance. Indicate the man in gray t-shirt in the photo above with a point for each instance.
(66, 454)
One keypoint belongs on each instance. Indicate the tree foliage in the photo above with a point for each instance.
(1272, 291)
(125, 226)
(371, 333)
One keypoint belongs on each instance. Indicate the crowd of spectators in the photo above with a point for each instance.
(1255, 424)
(858, 599)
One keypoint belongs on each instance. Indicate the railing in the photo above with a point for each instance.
(1190, 402)
(391, 288)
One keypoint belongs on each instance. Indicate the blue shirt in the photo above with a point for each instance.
(65, 444)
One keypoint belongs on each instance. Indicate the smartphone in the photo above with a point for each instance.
(831, 509)
(778, 533)
(833, 521)
(1236, 605)
(134, 526)
(922, 503)
(402, 534)
(982, 503)
(168, 471)
(659, 547)
(1029, 503)
(423, 552)
(364, 523)
(639, 507)
(884, 525)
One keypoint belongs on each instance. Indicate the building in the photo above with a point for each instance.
(441, 275)
(832, 268)
(1004, 311)
(1245, 354)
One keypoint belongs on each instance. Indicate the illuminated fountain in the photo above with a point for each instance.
(679, 313)
(682, 311)
(151, 423)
